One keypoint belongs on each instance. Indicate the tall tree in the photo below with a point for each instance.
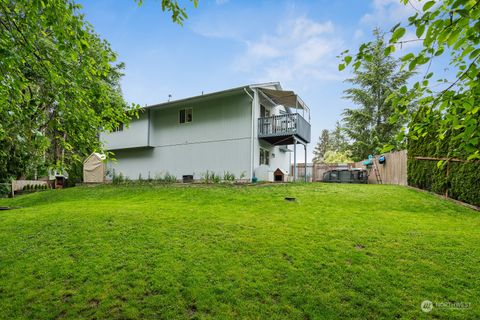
(367, 127)
(337, 140)
(448, 29)
(322, 146)
(59, 86)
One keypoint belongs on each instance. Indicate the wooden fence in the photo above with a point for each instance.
(315, 171)
(393, 171)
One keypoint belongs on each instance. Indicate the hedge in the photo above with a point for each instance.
(463, 179)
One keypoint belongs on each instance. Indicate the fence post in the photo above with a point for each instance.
(448, 170)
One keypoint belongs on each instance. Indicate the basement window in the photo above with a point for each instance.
(185, 115)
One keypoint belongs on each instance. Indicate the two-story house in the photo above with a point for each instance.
(245, 131)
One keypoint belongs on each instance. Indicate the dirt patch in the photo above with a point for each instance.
(61, 315)
(192, 310)
(66, 297)
(93, 303)
(287, 257)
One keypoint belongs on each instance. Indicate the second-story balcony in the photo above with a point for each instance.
(284, 129)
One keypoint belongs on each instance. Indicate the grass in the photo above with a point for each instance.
(229, 252)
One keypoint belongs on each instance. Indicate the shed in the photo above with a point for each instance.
(94, 168)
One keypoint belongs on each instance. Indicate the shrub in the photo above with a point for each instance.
(228, 176)
(210, 177)
(170, 178)
(458, 179)
(117, 179)
(4, 189)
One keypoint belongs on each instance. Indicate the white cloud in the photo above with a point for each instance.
(358, 34)
(386, 13)
(299, 51)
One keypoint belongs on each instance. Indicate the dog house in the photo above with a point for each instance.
(94, 168)
(278, 175)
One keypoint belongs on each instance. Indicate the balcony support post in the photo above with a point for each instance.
(294, 159)
(305, 163)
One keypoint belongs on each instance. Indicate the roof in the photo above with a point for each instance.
(226, 92)
(285, 98)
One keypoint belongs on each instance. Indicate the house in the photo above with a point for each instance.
(245, 131)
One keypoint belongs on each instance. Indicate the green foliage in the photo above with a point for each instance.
(59, 87)
(210, 177)
(243, 175)
(170, 178)
(337, 140)
(367, 127)
(230, 252)
(178, 13)
(5, 189)
(159, 179)
(333, 140)
(117, 179)
(337, 157)
(228, 176)
(460, 179)
(322, 146)
(450, 30)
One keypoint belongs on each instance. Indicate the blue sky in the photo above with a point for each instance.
(228, 43)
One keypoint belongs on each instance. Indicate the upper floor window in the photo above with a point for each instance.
(118, 128)
(185, 115)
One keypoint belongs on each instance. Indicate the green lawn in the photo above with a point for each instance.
(227, 252)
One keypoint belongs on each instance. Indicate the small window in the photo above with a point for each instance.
(185, 115)
(264, 157)
(118, 128)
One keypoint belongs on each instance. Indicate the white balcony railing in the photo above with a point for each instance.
(284, 125)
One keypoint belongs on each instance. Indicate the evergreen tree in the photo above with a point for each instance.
(367, 127)
(338, 142)
(321, 147)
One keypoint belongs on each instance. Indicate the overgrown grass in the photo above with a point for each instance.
(235, 252)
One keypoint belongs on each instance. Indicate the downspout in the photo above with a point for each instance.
(148, 128)
(252, 132)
